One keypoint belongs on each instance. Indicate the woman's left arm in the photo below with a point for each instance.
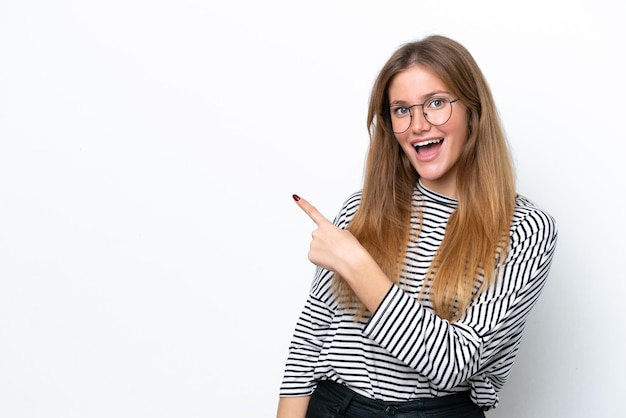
(447, 353)
(485, 340)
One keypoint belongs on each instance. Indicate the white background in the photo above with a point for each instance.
(152, 262)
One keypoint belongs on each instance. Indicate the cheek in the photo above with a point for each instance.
(403, 143)
(460, 129)
(464, 125)
(402, 139)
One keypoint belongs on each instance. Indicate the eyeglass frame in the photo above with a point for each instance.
(423, 113)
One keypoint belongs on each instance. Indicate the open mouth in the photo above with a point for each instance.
(428, 145)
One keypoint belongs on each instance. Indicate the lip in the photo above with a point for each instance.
(422, 142)
(430, 154)
(426, 141)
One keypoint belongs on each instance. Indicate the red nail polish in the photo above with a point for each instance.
(296, 197)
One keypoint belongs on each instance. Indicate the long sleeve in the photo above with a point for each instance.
(314, 326)
(404, 351)
(311, 330)
(482, 345)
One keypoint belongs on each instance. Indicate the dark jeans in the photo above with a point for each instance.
(332, 400)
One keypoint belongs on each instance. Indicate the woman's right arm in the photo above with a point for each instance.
(292, 407)
(310, 332)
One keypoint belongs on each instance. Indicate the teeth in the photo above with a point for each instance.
(434, 141)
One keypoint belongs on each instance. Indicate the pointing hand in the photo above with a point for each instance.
(331, 247)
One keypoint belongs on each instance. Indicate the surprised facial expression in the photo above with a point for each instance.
(432, 149)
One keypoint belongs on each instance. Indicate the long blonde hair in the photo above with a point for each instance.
(477, 233)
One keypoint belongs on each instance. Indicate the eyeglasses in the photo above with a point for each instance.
(436, 110)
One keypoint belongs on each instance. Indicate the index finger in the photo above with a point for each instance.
(310, 210)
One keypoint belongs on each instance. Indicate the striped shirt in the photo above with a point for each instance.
(403, 351)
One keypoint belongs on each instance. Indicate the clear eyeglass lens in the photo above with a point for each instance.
(437, 111)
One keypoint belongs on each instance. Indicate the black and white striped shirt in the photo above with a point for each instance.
(404, 351)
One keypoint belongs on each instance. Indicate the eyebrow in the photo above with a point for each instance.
(426, 97)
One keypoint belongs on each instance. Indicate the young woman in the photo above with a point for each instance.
(427, 275)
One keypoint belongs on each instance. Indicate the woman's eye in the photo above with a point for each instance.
(401, 111)
(436, 103)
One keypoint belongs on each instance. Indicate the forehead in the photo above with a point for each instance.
(415, 83)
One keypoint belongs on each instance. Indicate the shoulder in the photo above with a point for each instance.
(530, 220)
(348, 209)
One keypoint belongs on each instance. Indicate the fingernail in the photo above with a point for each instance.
(296, 197)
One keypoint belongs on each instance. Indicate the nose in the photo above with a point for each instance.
(418, 121)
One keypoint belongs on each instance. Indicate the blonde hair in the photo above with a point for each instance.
(477, 232)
